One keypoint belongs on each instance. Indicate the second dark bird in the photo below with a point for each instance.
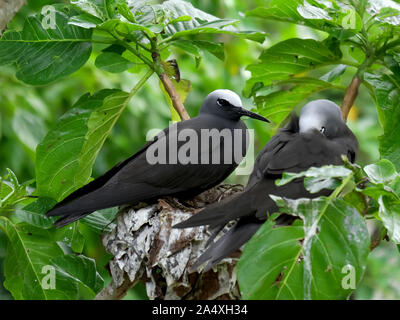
(319, 137)
(216, 140)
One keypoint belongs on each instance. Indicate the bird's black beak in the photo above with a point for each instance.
(243, 112)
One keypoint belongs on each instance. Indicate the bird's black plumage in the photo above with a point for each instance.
(300, 145)
(137, 179)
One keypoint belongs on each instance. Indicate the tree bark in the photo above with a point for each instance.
(8, 8)
(350, 96)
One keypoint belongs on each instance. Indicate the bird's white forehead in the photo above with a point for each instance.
(228, 95)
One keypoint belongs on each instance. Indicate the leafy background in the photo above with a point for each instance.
(27, 113)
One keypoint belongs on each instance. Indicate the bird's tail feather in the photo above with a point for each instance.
(215, 214)
(67, 219)
(240, 233)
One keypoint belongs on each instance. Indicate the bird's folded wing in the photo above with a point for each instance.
(302, 152)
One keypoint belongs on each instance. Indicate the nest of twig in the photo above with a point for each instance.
(146, 248)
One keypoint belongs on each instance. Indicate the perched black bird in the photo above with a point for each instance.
(319, 137)
(184, 160)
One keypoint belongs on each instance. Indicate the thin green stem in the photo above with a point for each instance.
(140, 83)
(166, 40)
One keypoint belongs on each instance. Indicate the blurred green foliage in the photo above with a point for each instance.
(27, 113)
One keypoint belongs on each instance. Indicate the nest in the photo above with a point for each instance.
(146, 248)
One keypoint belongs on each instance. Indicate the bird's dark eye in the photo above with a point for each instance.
(223, 102)
(322, 130)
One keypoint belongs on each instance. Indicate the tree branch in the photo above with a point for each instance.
(169, 87)
(350, 96)
(111, 292)
(7, 11)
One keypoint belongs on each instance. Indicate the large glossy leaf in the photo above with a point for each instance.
(385, 11)
(389, 212)
(77, 277)
(330, 16)
(66, 155)
(34, 213)
(317, 179)
(219, 27)
(386, 91)
(384, 187)
(175, 18)
(275, 102)
(43, 54)
(100, 221)
(279, 80)
(31, 254)
(113, 62)
(288, 59)
(28, 251)
(307, 262)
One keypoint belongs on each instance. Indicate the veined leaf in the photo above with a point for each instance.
(100, 221)
(386, 92)
(309, 262)
(385, 11)
(44, 53)
(219, 27)
(277, 101)
(29, 250)
(112, 62)
(317, 179)
(95, 8)
(287, 59)
(37, 269)
(389, 212)
(77, 277)
(341, 21)
(65, 157)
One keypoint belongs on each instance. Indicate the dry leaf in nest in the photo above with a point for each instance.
(146, 248)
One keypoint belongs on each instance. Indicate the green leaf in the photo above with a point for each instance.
(334, 73)
(43, 55)
(65, 157)
(125, 28)
(381, 172)
(29, 249)
(112, 62)
(31, 253)
(317, 179)
(288, 59)
(389, 212)
(85, 20)
(29, 128)
(277, 101)
(100, 221)
(385, 12)
(34, 213)
(71, 236)
(77, 277)
(195, 48)
(386, 91)
(95, 8)
(327, 16)
(306, 262)
(219, 27)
